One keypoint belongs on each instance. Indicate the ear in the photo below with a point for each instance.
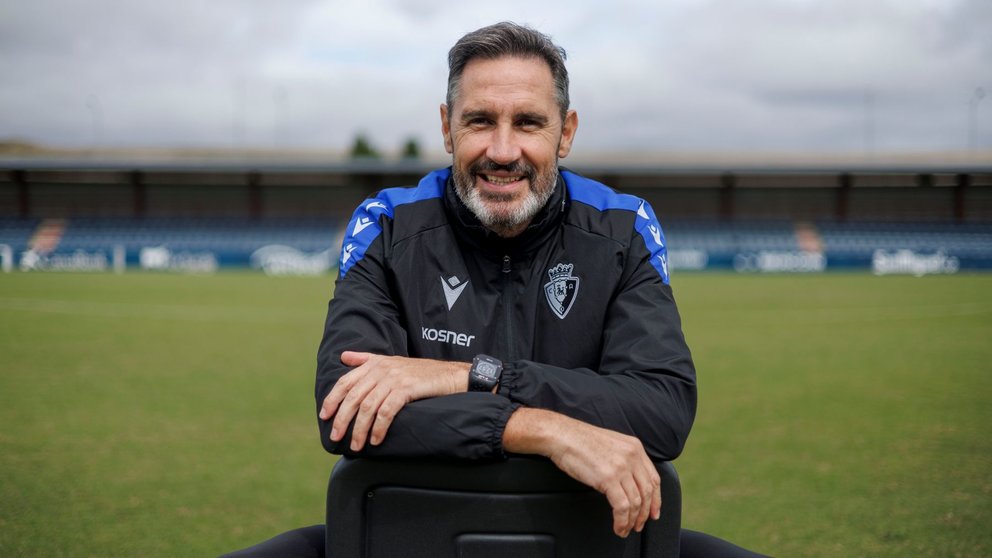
(446, 129)
(568, 133)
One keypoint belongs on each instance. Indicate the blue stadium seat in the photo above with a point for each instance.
(196, 234)
(729, 238)
(862, 239)
(16, 232)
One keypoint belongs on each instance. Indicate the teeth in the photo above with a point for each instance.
(501, 179)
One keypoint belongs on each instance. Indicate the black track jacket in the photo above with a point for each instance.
(577, 307)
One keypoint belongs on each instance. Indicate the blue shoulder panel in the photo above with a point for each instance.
(365, 225)
(602, 197)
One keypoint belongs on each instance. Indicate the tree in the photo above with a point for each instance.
(363, 149)
(411, 149)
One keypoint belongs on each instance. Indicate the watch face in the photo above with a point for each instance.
(486, 369)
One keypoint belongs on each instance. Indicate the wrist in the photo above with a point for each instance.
(532, 431)
(459, 377)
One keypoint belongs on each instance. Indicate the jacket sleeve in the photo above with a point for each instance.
(363, 317)
(645, 385)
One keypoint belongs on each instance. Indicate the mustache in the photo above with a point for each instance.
(516, 167)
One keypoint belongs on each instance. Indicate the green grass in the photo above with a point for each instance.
(842, 415)
(166, 415)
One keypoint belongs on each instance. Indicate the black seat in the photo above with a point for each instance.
(522, 508)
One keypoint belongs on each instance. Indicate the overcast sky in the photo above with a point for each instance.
(673, 75)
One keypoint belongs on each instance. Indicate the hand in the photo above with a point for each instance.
(379, 386)
(610, 462)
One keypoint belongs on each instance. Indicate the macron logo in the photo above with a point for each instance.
(655, 234)
(360, 225)
(347, 253)
(641, 213)
(452, 289)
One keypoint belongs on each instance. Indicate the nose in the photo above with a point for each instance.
(503, 146)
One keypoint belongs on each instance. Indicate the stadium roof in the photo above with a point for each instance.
(267, 161)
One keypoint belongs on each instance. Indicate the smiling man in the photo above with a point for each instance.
(507, 305)
(506, 136)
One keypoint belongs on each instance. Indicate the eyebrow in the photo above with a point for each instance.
(481, 113)
(473, 114)
(535, 117)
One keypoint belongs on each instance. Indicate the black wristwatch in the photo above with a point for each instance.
(485, 373)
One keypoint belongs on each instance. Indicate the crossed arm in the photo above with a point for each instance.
(601, 423)
(369, 396)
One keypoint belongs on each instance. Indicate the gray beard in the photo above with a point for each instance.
(490, 209)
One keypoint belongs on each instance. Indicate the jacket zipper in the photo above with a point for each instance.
(508, 307)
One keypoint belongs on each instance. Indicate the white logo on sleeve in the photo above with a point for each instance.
(640, 211)
(655, 234)
(360, 225)
(561, 290)
(347, 253)
(370, 205)
(452, 289)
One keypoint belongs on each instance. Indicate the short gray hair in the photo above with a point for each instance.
(507, 39)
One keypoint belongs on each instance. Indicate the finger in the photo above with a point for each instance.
(647, 491)
(635, 500)
(617, 497)
(348, 408)
(367, 411)
(341, 389)
(354, 358)
(384, 417)
(656, 499)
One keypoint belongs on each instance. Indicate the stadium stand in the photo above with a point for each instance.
(234, 235)
(16, 231)
(193, 244)
(732, 236)
(816, 219)
(232, 240)
(970, 240)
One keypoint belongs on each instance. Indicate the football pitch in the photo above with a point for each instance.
(166, 415)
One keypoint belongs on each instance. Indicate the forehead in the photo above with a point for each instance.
(507, 81)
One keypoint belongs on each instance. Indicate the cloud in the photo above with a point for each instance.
(696, 75)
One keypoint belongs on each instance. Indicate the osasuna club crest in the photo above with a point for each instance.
(562, 289)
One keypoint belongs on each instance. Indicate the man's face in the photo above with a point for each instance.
(505, 134)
